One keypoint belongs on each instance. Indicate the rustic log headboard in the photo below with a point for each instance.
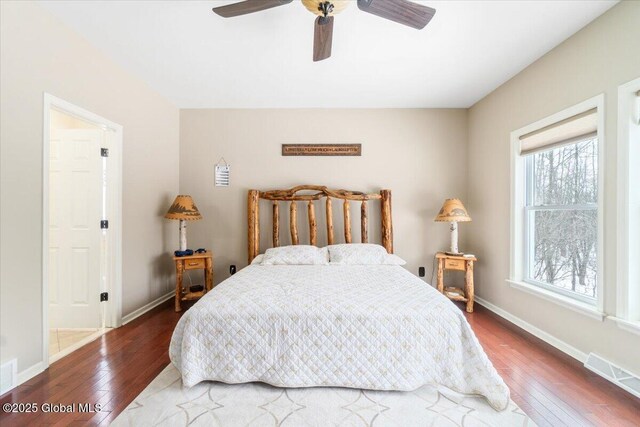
(310, 194)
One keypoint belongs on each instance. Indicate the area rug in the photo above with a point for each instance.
(166, 403)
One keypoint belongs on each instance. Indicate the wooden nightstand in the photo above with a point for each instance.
(461, 263)
(203, 261)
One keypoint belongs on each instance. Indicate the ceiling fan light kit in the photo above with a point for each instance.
(317, 6)
(404, 12)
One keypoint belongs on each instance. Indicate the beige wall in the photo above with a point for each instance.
(39, 54)
(418, 154)
(596, 60)
(424, 156)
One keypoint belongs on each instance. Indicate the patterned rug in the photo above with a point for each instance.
(166, 403)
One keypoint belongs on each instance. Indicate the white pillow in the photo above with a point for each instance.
(258, 259)
(296, 255)
(362, 254)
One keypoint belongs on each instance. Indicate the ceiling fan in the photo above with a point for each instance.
(402, 11)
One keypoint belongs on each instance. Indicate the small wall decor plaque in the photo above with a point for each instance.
(223, 173)
(321, 149)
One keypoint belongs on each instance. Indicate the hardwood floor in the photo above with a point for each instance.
(551, 387)
(110, 371)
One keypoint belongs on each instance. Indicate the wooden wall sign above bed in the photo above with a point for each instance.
(308, 194)
(321, 149)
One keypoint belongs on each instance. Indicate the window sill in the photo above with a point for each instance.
(577, 306)
(632, 326)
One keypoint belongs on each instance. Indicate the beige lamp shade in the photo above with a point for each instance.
(183, 208)
(453, 210)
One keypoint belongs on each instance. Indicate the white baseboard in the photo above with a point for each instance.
(148, 307)
(537, 332)
(27, 374)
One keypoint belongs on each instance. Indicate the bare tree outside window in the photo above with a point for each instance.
(562, 217)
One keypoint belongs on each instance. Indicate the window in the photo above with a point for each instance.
(561, 219)
(556, 210)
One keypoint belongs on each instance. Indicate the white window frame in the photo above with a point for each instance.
(627, 317)
(517, 268)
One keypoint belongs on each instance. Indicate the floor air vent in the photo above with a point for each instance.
(8, 375)
(613, 373)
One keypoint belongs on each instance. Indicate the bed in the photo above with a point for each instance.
(372, 325)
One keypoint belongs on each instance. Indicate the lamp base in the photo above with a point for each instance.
(183, 234)
(454, 253)
(453, 227)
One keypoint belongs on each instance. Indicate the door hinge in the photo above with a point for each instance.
(104, 224)
(104, 152)
(104, 296)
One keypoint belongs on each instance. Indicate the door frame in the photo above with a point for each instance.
(114, 287)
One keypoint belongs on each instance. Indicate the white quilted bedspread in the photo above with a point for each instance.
(368, 327)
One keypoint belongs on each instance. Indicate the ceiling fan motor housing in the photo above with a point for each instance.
(325, 8)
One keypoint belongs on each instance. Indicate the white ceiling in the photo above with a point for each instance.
(197, 59)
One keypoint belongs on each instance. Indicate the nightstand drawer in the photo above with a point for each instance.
(454, 264)
(194, 264)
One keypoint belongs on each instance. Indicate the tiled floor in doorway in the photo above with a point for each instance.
(60, 339)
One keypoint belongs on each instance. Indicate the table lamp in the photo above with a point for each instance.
(453, 211)
(184, 210)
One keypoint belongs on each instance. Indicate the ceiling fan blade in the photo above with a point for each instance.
(248, 6)
(401, 11)
(322, 36)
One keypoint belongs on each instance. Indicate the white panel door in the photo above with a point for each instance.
(75, 208)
